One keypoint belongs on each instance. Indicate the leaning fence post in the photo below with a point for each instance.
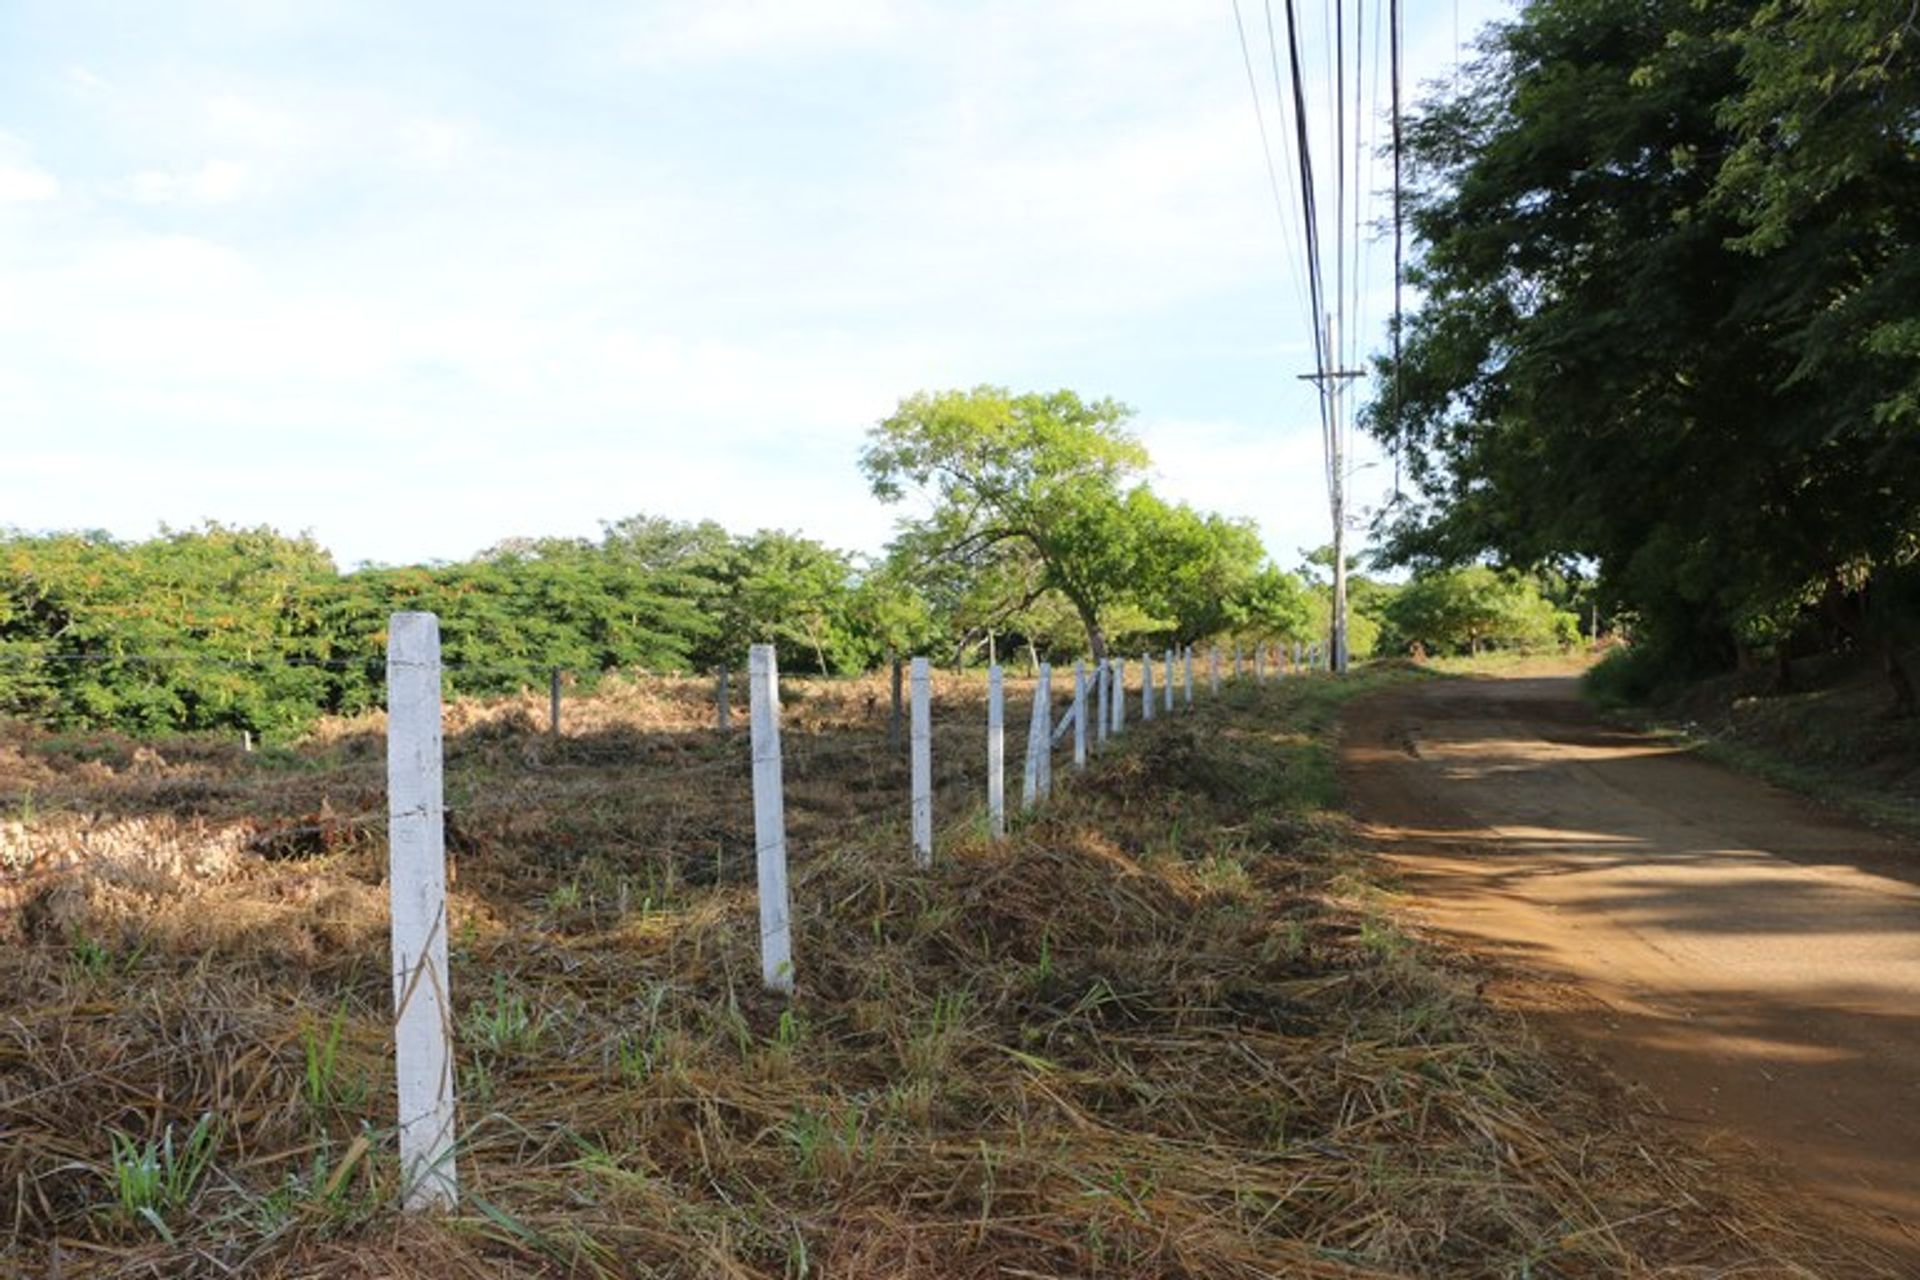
(1079, 715)
(770, 820)
(996, 754)
(1102, 690)
(417, 887)
(921, 678)
(1039, 744)
(1146, 686)
(1044, 696)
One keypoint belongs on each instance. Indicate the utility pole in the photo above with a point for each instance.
(1331, 384)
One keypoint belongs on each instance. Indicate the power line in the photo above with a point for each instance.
(1309, 205)
(1399, 265)
(1266, 154)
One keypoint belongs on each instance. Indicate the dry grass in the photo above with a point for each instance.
(1158, 1032)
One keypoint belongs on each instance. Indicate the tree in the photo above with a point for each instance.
(1462, 610)
(1651, 335)
(1199, 572)
(1012, 479)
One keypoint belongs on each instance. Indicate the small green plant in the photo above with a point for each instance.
(504, 1024)
(154, 1179)
(91, 957)
(324, 1086)
(824, 1144)
(564, 897)
(1380, 939)
(932, 1044)
(636, 1059)
(790, 1031)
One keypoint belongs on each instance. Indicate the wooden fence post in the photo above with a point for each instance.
(417, 886)
(770, 820)
(996, 754)
(553, 701)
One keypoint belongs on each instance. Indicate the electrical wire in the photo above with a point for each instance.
(1294, 271)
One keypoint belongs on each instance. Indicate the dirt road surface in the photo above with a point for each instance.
(1749, 958)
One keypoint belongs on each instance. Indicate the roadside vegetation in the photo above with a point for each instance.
(1830, 736)
(1668, 257)
(1165, 1029)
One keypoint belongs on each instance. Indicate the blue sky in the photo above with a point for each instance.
(418, 277)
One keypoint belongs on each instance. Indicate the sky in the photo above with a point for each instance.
(418, 278)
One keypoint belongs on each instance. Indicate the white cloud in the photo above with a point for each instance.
(214, 182)
(562, 289)
(22, 185)
(698, 31)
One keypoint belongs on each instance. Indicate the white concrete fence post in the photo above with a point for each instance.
(1187, 668)
(996, 754)
(417, 887)
(1119, 696)
(920, 679)
(1167, 705)
(1146, 686)
(769, 819)
(1036, 743)
(1079, 715)
(1259, 664)
(1102, 691)
(1044, 695)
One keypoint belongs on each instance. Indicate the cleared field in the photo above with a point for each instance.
(1162, 1030)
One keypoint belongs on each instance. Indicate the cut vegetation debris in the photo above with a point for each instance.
(1160, 1031)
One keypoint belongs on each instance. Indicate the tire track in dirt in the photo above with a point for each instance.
(1750, 959)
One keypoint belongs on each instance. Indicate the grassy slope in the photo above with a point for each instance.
(1163, 1030)
(1831, 737)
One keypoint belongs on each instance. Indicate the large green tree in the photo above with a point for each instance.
(1039, 481)
(1627, 350)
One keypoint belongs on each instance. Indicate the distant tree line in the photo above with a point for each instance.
(230, 628)
(1669, 257)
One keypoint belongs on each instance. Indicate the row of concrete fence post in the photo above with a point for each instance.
(1305, 657)
(423, 1011)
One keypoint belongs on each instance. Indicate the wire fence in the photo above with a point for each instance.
(682, 766)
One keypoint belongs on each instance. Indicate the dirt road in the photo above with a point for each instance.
(1752, 960)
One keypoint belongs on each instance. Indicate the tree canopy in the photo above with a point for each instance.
(1668, 255)
(1035, 495)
